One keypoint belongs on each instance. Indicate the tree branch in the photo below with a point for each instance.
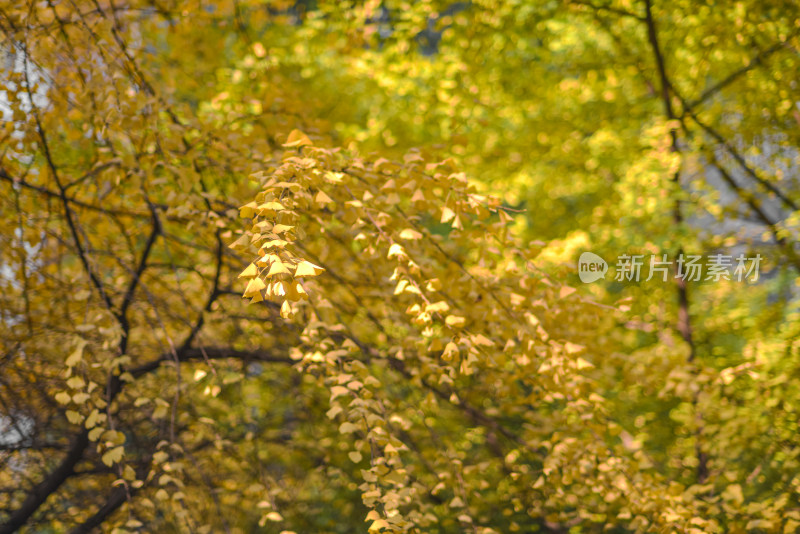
(211, 353)
(684, 319)
(757, 60)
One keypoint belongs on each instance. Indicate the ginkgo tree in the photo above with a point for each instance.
(254, 278)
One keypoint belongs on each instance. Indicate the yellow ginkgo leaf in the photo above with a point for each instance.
(281, 228)
(248, 210)
(277, 268)
(395, 250)
(306, 268)
(249, 272)
(286, 310)
(113, 456)
(254, 286)
(447, 214)
(322, 198)
(455, 321)
(410, 235)
(378, 525)
(297, 139)
(271, 206)
(450, 351)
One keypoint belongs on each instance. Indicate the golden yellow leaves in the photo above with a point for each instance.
(276, 273)
(250, 272)
(254, 286)
(113, 456)
(322, 198)
(447, 215)
(455, 321)
(297, 139)
(447, 305)
(450, 352)
(277, 267)
(396, 251)
(77, 355)
(438, 307)
(248, 210)
(410, 235)
(306, 268)
(267, 207)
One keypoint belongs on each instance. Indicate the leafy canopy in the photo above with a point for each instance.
(400, 191)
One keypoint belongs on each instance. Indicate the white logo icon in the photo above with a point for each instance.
(591, 267)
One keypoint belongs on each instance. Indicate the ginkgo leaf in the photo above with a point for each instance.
(274, 243)
(74, 417)
(410, 234)
(377, 525)
(456, 502)
(455, 321)
(438, 307)
(347, 428)
(77, 355)
(322, 198)
(286, 310)
(248, 210)
(93, 418)
(113, 456)
(249, 272)
(447, 214)
(480, 339)
(566, 291)
(297, 139)
(334, 177)
(396, 250)
(242, 241)
(450, 351)
(277, 267)
(95, 433)
(306, 268)
(254, 286)
(271, 206)
(292, 186)
(80, 398)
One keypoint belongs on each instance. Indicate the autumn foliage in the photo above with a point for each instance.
(310, 267)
